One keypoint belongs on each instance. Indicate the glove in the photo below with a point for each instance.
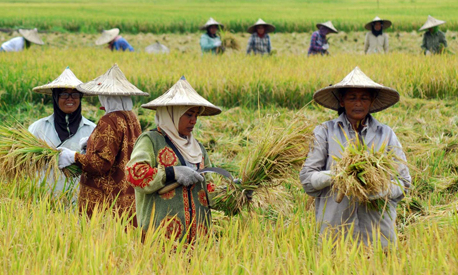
(83, 143)
(427, 52)
(186, 176)
(395, 192)
(248, 193)
(66, 157)
(325, 46)
(217, 43)
(321, 179)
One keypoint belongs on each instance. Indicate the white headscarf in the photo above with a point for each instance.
(116, 103)
(168, 119)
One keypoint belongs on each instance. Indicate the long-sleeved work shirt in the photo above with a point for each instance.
(432, 41)
(14, 45)
(316, 44)
(259, 45)
(122, 44)
(341, 216)
(207, 43)
(376, 44)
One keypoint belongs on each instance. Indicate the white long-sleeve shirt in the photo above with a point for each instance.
(376, 44)
(14, 45)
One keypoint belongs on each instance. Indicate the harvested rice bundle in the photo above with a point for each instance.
(228, 41)
(362, 172)
(21, 153)
(267, 163)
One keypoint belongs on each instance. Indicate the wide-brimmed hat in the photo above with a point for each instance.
(182, 94)
(329, 97)
(112, 83)
(107, 36)
(329, 25)
(32, 36)
(386, 23)
(260, 22)
(157, 48)
(66, 80)
(211, 22)
(431, 22)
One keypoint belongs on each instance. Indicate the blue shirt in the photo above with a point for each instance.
(122, 43)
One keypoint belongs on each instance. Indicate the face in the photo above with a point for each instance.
(187, 121)
(377, 26)
(213, 29)
(260, 30)
(357, 104)
(67, 103)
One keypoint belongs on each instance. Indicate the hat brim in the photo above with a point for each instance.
(204, 27)
(104, 39)
(386, 24)
(331, 29)
(329, 97)
(209, 110)
(31, 37)
(427, 27)
(268, 28)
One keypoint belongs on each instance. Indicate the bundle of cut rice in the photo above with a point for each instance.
(362, 171)
(22, 154)
(267, 163)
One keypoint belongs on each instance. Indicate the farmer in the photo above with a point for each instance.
(210, 42)
(319, 42)
(170, 155)
(109, 146)
(355, 97)
(66, 127)
(376, 40)
(259, 42)
(20, 43)
(114, 41)
(434, 41)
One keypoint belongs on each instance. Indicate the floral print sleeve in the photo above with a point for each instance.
(142, 171)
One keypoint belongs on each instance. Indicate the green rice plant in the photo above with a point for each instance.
(362, 171)
(22, 154)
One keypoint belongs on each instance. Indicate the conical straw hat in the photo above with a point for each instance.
(107, 36)
(329, 96)
(66, 80)
(157, 48)
(386, 23)
(268, 27)
(211, 22)
(32, 36)
(182, 94)
(329, 25)
(431, 22)
(112, 83)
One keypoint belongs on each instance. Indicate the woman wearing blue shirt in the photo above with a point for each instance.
(114, 40)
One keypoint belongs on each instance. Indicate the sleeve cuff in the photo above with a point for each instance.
(169, 175)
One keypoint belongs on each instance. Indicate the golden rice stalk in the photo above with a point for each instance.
(22, 154)
(271, 159)
(230, 42)
(362, 171)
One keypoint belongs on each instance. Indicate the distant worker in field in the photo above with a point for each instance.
(376, 40)
(114, 41)
(319, 43)
(103, 181)
(434, 41)
(354, 98)
(210, 42)
(66, 127)
(259, 42)
(20, 43)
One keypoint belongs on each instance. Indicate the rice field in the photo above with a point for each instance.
(260, 97)
(181, 16)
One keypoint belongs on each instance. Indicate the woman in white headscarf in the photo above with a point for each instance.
(168, 155)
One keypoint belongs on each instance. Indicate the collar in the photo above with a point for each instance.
(83, 122)
(370, 129)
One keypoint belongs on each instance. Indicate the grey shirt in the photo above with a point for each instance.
(343, 215)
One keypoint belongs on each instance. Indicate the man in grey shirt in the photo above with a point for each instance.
(355, 97)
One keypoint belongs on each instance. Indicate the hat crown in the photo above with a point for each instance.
(211, 22)
(357, 78)
(107, 36)
(329, 25)
(66, 79)
(32, 36)
(431, 22)
(182, 94)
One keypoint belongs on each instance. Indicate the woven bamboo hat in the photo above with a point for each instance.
(182, 94)
(211, 22)
(157, 48)
(112, 83)
(32, 36)
(329, 25)
(431, 22)
(386, 23)
(107, 36)
(260, 22)
(329, 97)
(66, 80)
